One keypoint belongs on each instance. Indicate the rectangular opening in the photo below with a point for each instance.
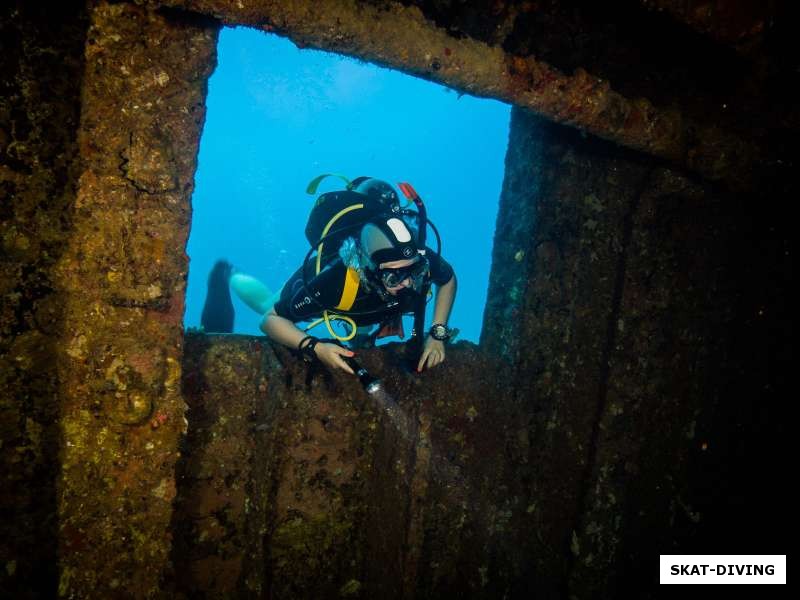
(279, 117)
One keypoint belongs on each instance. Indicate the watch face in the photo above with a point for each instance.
(439, 332)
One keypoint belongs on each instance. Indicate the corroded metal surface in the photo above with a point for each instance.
(401, 37)
(297, 484)
(636, 282)
(559, 280)
(223, 474)
(41, 66)
(645, 434)
(124, 275)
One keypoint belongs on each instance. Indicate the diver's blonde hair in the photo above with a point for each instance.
(353, 256)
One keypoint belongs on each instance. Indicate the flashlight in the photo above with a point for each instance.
(368, 382)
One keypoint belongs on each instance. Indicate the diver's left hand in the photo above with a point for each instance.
(432, 355)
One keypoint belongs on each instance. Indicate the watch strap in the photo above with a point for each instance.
(306, 348)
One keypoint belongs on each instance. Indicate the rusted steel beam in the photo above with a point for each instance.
(122, 276)
(402, 38)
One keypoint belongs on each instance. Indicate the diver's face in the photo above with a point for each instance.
(398, 264)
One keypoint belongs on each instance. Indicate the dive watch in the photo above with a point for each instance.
(439, 332)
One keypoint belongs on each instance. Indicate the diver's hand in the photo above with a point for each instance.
(331, 356)
(432, 355)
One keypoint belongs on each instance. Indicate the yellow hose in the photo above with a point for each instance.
(327, 320)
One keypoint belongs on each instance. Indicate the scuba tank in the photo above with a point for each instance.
(338, 215)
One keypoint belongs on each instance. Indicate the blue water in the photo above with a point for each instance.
(278, 117)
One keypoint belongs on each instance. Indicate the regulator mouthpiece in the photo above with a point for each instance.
(368, 382)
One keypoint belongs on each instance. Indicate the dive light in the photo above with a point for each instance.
(368, 382)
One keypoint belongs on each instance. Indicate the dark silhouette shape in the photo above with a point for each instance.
(218, 313)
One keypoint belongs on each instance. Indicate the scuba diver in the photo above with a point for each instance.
(368, 265)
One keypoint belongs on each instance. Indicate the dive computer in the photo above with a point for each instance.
(439, 332)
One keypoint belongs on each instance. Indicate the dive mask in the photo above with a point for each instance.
(416, 272)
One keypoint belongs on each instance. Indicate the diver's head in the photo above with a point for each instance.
(394, 259)
(379, 190)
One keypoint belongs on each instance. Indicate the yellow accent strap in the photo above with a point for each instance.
(351, 283)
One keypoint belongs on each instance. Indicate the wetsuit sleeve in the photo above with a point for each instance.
(441, 271)
(301, 303)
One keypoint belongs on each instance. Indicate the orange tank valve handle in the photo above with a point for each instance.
(408, 191)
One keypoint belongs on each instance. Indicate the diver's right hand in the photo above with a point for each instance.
(331, 356)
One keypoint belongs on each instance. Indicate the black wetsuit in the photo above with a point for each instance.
(325, 291)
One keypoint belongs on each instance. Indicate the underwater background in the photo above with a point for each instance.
(279, 116)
